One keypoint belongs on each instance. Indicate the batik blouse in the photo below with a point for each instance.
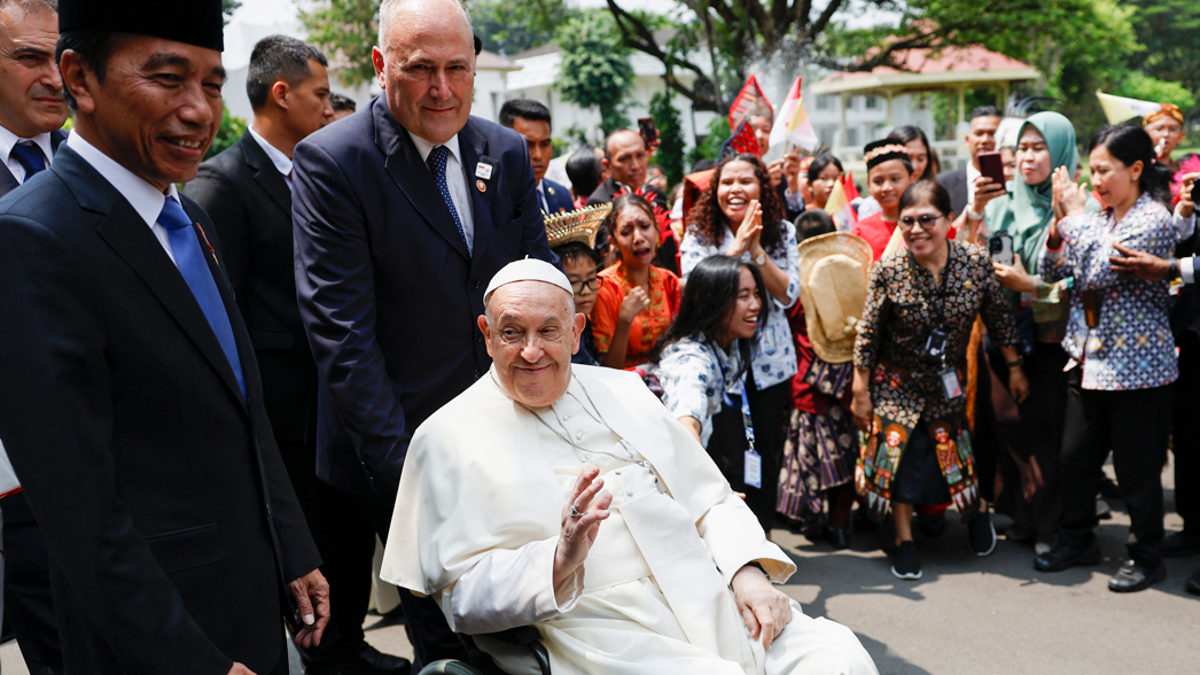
(648, 326)
(902, 311)
(774, 355)
(1132, 346)
(695, 376)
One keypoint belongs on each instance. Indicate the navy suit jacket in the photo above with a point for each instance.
(558, 196)
(389, 293)
(8, 182)
(168, 515)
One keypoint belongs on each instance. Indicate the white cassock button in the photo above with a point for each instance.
(617, 472)
(629, 493)
(567, 417)
(579, 435)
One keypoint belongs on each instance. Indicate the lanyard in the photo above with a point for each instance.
(747, 423)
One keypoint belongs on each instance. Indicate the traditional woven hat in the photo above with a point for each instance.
(579, 225)
(834, 271)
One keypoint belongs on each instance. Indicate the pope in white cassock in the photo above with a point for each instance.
(566, 497)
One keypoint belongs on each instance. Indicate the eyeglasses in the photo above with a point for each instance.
(925, 222)
(593, 284)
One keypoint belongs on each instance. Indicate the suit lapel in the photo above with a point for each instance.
(265, 173)
(413, 177)
(473, 146)
(8, 182)
(125, 231)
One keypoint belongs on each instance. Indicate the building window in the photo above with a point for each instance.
(852, 136)
(872, 103)
(823, 102)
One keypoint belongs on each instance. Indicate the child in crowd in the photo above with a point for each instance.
(581, 264)
(889, 172)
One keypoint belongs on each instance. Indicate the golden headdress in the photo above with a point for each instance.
(579, 225)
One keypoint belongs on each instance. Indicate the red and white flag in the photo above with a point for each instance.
(792, 123)
(750, 101)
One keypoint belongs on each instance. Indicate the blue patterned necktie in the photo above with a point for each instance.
(189, 257)
(29, 156)
(437, 164)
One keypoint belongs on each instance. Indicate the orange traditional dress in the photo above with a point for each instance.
(648, 326)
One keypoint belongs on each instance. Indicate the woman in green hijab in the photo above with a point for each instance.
(1028, 436)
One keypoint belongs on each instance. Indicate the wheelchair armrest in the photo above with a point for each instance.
(530, 638)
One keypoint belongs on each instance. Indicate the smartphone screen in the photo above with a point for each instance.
(992, 166)
(647, 130)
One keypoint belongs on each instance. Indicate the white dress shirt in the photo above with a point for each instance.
(145, 199)
(282, 162)
(9, 140)
(455, 180)
(973, 175)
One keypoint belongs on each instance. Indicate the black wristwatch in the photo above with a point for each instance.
(1173, 269)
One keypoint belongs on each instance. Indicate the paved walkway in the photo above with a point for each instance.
(968, 615)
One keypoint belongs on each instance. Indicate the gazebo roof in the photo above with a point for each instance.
(925, 69)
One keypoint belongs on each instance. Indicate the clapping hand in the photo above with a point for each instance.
(578, 532)
(749, 232)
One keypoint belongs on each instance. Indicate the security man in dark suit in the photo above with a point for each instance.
(531, 119)
(246, 190)
(32, 112)
(403, 212)
(132, 409)
(981, 137)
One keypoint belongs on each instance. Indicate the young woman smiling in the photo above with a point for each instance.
(1122, 351)
(704, 362)
(909, 383)
(739, 215)
(637, 300)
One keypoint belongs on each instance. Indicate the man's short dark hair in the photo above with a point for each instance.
(985, 111)
(275, 58)
(340, 102)
(94, 48)
(583, 170)
(525, 108)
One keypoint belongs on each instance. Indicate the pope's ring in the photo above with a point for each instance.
(575, 512)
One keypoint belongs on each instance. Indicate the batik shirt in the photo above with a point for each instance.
(647, 326)
(901, 312)
(774, 356)
(695, 376)
(1132, 346)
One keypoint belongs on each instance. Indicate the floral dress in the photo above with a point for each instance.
(904, 305)
(695, 377)
(648, 326)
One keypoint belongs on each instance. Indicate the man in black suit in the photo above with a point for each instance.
(246, 190)
(627, 161)
(402, 213)
(981, 137)
(532, 120)
(32, 112)
(132, 408)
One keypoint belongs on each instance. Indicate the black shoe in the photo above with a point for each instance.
(906, 565)
(1192, 585)
(981, 534)
(1178, 544)
(863, 522)
(371, 661)
(1133, 577)
(1063, 556)
(1109, 489)
(838, 537)
(931, 526)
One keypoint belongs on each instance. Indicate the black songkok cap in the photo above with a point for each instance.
(878, 152)
(194, 22)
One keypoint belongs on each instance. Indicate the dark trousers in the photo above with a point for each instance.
(426, 626)
(1185, 440)
(28, 605)
(345, 538)
(1136, 426)
(728, 445)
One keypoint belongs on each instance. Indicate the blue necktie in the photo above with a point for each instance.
(190, 259)
(29, 156)
(437, 164)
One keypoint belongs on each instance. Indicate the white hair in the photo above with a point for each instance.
(389, 8)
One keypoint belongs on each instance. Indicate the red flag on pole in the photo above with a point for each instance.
(750, 101)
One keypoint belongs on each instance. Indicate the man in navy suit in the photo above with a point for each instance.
(532, 120)
(32, 112)
(402, 213)
(132, 409)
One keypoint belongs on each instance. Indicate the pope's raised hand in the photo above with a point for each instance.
(578, 532)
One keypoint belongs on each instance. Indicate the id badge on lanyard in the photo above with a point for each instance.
(752, 466)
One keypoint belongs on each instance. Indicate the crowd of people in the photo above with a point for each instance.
(579, 407)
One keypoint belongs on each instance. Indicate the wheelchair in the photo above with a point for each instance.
(479, 663)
